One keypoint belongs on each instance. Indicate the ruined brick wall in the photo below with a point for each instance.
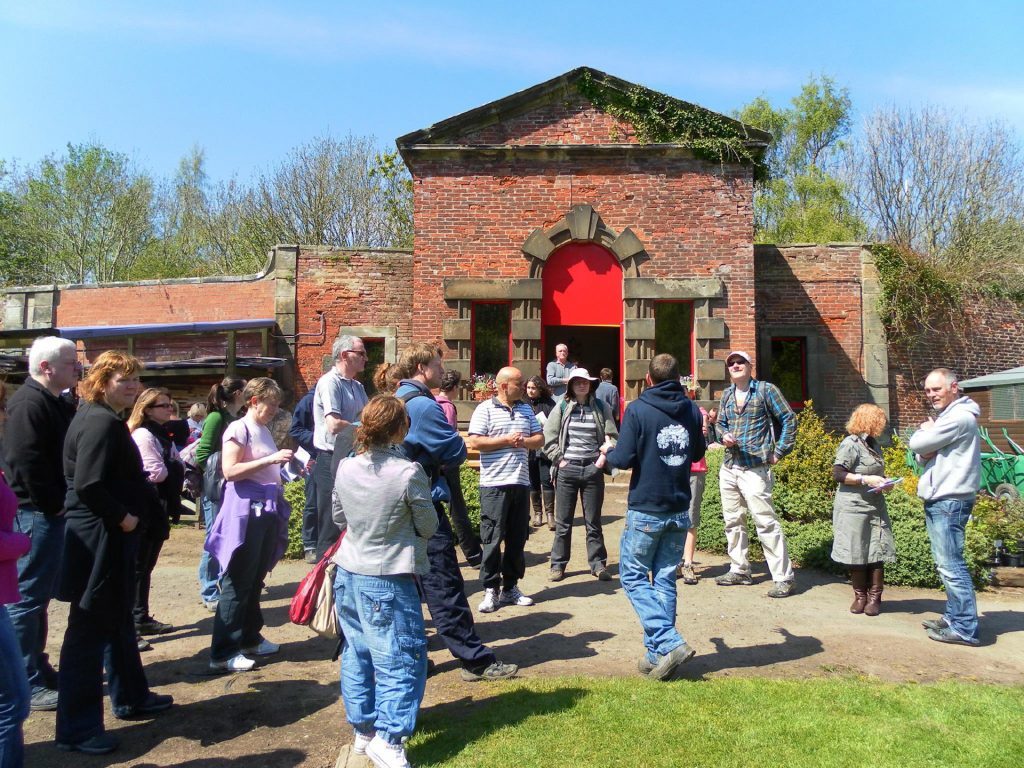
(988, 336)
(817, 290)
(176, 301)
(352, 289)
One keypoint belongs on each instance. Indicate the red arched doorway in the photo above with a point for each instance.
(582, 307)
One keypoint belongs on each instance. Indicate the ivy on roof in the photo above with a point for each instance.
(661, 119)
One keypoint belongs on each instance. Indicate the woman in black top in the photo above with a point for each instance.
(542, 492)
(109, 500)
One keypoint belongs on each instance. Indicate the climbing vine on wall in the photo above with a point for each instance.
(916, 294)
(660, 119)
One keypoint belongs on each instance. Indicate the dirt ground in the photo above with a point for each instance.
(287, 711)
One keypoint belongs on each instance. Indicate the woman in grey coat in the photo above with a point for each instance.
(862, 532)
(385, 499)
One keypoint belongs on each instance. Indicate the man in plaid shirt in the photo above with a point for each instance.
(744, 426)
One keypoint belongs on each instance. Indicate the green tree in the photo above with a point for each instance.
(803, 198)
(85, 217)
(15, 260)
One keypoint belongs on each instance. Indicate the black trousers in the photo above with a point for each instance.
(504, 519)
(239, 618)
(469, 542)
(327, 531)
(145, 562)
(445, 594)
(585, 482)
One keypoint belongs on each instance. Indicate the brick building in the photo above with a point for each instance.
(550, 216)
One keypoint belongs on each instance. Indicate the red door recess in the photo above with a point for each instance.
(582, 286)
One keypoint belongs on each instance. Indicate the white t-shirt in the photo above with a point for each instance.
(256, 442)
(505, 466)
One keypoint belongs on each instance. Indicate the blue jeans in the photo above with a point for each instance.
(653, 544)
(14, 696)
(37, 579)
(208, 566)
(946, 520)
(384, 660)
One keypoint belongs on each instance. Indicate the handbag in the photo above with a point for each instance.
(213, 479)
(325, 617)
(307, 596)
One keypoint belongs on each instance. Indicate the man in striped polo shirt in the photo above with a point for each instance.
(504, 429)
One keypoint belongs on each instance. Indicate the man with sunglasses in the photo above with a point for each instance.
(744, 424)
(337, 402)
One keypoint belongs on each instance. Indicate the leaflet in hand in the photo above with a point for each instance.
(890, 482)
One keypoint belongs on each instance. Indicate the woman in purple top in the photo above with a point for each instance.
(14, 691)
(251, 530)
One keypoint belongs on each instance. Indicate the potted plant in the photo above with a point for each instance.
(483, 386)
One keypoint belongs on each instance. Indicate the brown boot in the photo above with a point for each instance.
(859, 580)
(549, 507)
(876, 575)
(538, 510)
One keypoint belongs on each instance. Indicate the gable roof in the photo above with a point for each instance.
(663, 120)
(998, 379)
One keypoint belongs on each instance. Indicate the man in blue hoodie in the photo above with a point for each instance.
(433, 444)
(951, 448)
(661, 435)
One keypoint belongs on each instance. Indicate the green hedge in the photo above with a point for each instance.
(295, 494)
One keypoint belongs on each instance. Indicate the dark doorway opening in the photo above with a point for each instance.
(590, 346)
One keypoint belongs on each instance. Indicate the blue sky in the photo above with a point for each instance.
(247, 81)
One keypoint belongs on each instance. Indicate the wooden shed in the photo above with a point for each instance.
(1001, 399)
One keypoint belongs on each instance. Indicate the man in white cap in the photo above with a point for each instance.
(744, 423)
(574, 432)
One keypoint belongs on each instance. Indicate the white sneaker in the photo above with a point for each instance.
(360, 742)
(383, 754)
(237, 663)
(514, 597)
(265, 648)
(490, 602)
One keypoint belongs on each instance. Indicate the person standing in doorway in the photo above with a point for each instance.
(558, 370)
(745, 425)
(949, 444)
(579, 425)
(609, 393)
(38, 418)
(337, 402)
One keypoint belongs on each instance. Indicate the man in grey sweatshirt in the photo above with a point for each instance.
(949, 445)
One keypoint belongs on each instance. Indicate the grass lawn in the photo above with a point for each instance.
(620, 723)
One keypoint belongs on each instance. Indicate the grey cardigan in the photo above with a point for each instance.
(385, 499)
(556, 428)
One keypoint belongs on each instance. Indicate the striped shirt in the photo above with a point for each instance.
(582, 443)
(504, 466)
(752, 426)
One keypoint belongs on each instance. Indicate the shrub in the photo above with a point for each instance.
(295, 494)
(804, 487)
(470, 478)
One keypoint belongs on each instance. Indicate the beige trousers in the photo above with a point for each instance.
(750, 490)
